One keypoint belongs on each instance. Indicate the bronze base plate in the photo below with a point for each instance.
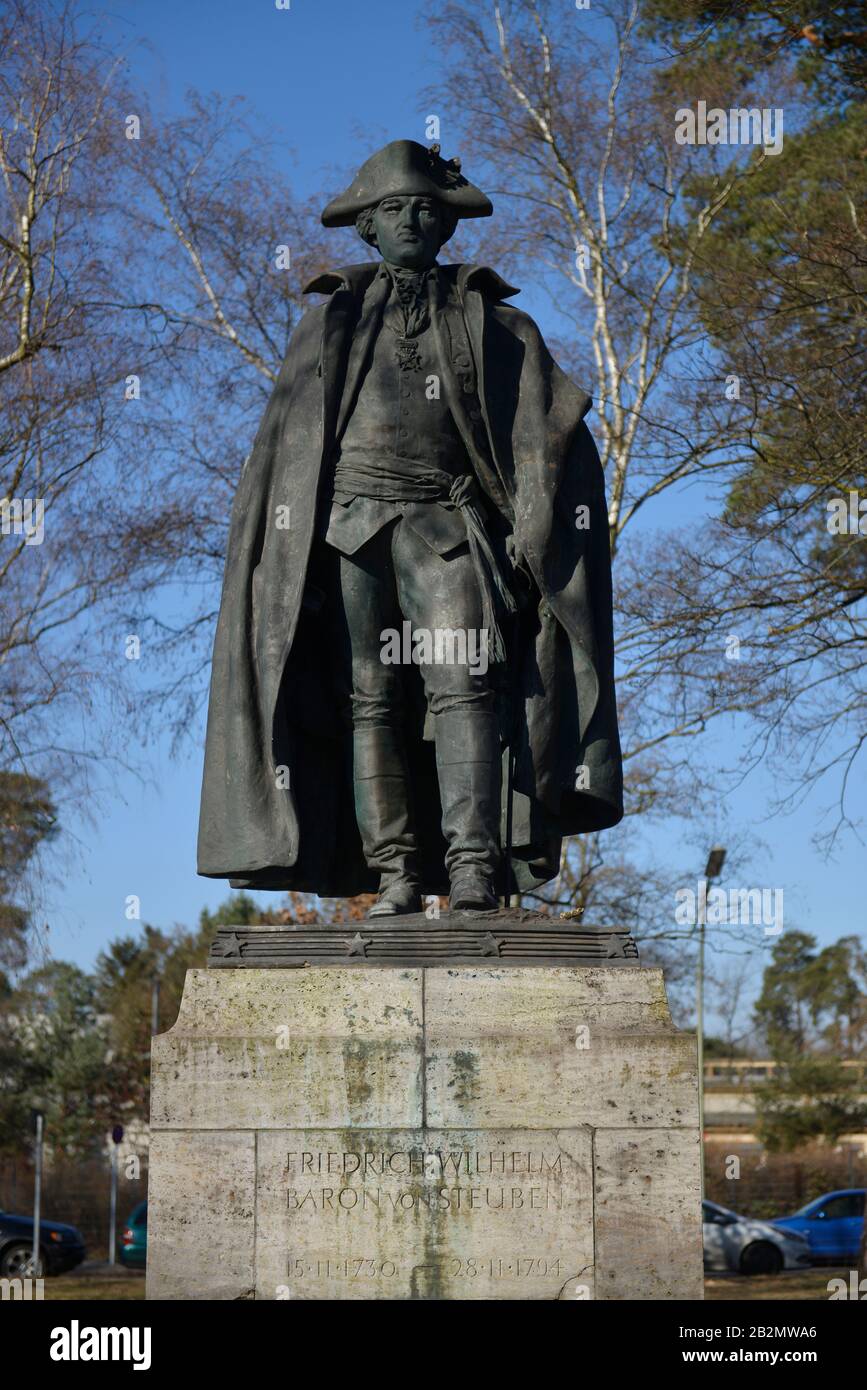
(502, 937)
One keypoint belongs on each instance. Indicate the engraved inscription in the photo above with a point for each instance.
(423, 1214)
(350, 1268)
(356, 1267)
(441, 1180)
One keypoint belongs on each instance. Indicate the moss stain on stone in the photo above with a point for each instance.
(465, 1078)
(660, 1011)
(358, 1055)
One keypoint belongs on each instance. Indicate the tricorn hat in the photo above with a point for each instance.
(404, 167)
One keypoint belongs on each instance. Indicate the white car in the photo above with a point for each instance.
(739, 1244)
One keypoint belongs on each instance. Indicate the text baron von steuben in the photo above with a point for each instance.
(433, 458)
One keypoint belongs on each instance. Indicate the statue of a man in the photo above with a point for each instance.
(412, 687)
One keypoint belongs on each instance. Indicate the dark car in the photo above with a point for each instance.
(833, 1224)
(60, 1247)
(134, 1239)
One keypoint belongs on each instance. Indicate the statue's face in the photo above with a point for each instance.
(408, 231)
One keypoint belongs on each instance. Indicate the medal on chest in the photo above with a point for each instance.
(408, 354)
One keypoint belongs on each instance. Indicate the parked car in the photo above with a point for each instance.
(745, 1246)
(833, 1225)
(61, 1247)
(134, 1237)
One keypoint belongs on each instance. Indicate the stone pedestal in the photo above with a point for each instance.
(492, 1132)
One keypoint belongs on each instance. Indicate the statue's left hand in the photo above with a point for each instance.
(517, 553)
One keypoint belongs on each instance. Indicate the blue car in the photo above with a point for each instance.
(833, 1224)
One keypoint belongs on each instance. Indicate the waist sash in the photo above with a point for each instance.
(405, 480)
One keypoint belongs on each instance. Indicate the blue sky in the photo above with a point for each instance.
(299, 68)
(300, 71)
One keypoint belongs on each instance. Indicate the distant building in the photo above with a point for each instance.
(729, 1107)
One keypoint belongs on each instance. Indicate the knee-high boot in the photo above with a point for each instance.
(468, 767)
(382, 810)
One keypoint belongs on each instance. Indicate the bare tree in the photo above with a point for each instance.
(729, 985)
(603, 207)
(604, 210)
(78, 512)
(150, 275)
(229, 253)
(144, 311)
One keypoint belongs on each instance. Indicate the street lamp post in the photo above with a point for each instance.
(155, 1005)
(39, 1127)
(116, 1137)
(713, 869)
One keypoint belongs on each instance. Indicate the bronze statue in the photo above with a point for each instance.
(412, 687)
